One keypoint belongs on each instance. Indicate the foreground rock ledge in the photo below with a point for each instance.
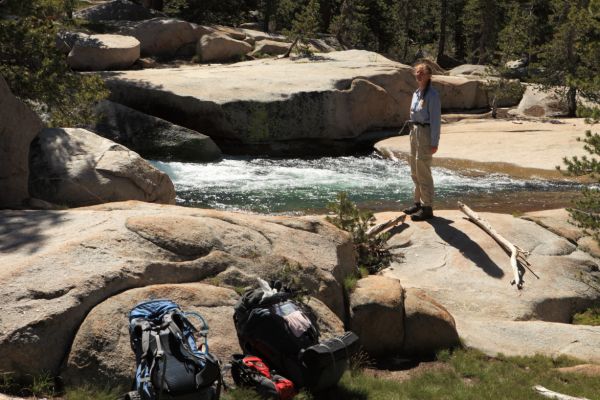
(463, 269)
(61, 264)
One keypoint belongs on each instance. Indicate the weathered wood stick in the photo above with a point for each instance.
(555, 395)
(517, 255)
(388, 224)
(289, 50)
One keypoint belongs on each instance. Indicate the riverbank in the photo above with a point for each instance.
(523, 149)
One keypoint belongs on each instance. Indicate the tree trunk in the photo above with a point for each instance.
(443, 17)
(458, 28)
(572, 60)
(572, 102)
(407, 21)
(483, 38)
(326, 14)
(268, 12)
(289, 50)
(375, 230)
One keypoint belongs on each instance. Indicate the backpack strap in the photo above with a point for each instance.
(146, 329)
(170, 322)
(203, 331)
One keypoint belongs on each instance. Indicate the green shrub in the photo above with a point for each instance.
(36, 71)
(591, 316)
(42, 385)
(592, 113)
(370, 250)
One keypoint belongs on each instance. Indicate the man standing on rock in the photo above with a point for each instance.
(425, 118)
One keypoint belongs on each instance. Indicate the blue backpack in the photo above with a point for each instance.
(168, 361)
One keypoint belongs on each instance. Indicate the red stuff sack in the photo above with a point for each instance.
(251, 371)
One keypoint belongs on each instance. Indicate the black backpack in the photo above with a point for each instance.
(283, 332)
(168, 361)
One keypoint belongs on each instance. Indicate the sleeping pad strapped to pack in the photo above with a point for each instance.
(284, 334)
(169, 364)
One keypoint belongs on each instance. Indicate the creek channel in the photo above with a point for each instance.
(306, 186)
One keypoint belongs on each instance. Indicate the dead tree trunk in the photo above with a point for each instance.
(518, 256)
(388, 224)
(289, 50)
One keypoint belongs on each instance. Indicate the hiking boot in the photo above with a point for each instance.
(412, 209)
(423, 214)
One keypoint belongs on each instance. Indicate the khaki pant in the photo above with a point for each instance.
(420, 164)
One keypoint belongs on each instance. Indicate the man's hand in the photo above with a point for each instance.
(433, 149)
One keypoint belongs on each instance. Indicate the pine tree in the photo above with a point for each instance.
(571, 59)
(305, 26)
(586, 210)
(230, 12)
(482, 21)
(582, 20)
(34, 68)
(526, 29)
(515, 40)
(351, 25)
(286, 12)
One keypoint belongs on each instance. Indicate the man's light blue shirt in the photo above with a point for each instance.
(429, 111)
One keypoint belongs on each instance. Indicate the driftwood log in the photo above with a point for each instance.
(518, 256)
(555, 395)
(289, 50)
(375, 230)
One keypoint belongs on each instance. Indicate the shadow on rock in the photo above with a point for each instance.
(25, 230)
(463, 243)
(397, 229)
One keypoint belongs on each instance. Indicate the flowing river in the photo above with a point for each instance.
(301, 186)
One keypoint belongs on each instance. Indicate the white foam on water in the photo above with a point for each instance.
(283, 185)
